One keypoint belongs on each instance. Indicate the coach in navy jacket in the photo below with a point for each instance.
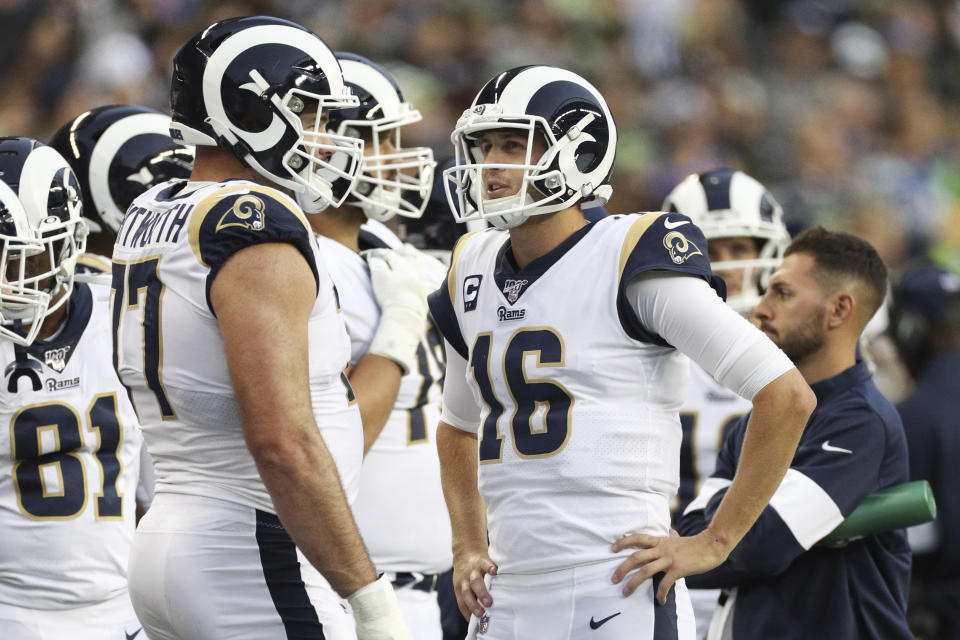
(779, 582)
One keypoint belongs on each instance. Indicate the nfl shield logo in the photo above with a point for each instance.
(484, 624)
(513, 288)
(56, 359)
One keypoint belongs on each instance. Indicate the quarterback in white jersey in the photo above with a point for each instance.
(229, 336)
(70, 436)
(396, 360)
(746, 238)
(560, 436)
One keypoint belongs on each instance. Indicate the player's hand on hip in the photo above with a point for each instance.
(469, 571)
(675, 557)
(396, 283)
(376, 612)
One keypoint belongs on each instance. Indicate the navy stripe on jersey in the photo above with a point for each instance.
(506, 268)
(242, 218)
(281, 569)
(370, 240)
(445, 319)
(665, 615)
(666, 242)
(79, 310)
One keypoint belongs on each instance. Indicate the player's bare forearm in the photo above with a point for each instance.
(458, 472)
(376, 382)
(303, 483)
(780, 412)
(265, 339)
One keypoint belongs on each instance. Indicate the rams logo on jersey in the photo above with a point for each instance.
(247, 212)
(679, 248)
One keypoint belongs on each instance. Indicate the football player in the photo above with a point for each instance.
(746, 238)
(117, 152)
(70, 438)
(229, 337)
(396, 363)
(565, 374)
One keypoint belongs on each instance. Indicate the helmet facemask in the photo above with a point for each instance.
(395, 180)
(544, 187)
(319, 167)
(38, 269)
(755, 272)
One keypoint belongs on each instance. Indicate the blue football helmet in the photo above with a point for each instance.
(118, 152)
(574, 122)
(41, 232)
(245, 83)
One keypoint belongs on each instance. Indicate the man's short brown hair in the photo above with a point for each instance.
(839, 255)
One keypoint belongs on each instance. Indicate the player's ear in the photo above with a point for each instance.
(841, 306)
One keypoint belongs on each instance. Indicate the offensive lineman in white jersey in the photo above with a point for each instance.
(395, 357)
(746, 238)
(564, 344)
(70, 437)
(229, 338)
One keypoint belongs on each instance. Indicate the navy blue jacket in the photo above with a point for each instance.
(787, 585)
(931, 418)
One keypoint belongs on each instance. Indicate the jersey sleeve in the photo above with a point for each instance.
(835, 468)
(241, 216)
(660, 242)
(459, 406)
(441, 304)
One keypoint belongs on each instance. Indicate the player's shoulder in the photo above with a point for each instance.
(658, 240)
(238, 213)
(247, 205)
(474, 243)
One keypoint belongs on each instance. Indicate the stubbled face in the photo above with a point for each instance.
(506, 147)
(793, 310)
(731, 249)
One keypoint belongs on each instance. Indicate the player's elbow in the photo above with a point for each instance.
(788, 396)
(276, 447)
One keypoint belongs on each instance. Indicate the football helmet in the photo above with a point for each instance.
(245, 83)
(42, 233)
(394, 177)
(117, 153)
(726, 203)
(574, 122)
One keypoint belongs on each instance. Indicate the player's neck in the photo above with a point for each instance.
(342, 225)
(53, 322)
(833, 358)
(214, 164)
(542, 234)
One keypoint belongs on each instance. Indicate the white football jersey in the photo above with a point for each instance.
(170, 353)
(69, 476)
(400, 508)
(579, 429)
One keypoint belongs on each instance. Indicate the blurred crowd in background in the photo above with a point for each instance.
(845, 109)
